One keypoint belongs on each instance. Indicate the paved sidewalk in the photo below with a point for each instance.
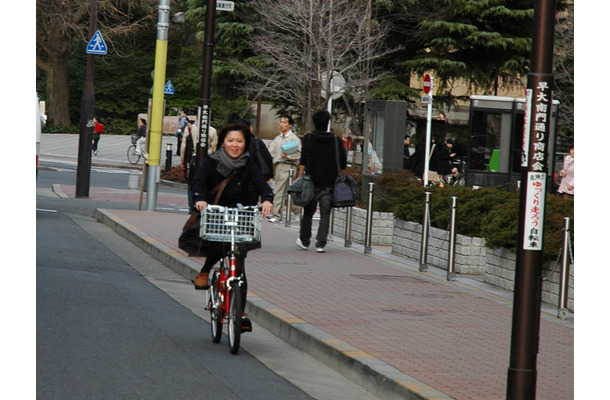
(375, 318)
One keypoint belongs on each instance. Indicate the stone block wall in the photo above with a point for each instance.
(469, 252)
(500, 272)
(382, 226)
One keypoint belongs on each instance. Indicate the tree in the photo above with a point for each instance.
(297, 43)
(59, 23)
(484, 43)
(564, 70)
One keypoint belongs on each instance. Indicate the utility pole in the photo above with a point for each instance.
(534, 169)
(87, 112)
(157, 108)
(205, 100)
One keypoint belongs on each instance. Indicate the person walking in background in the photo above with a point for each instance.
(182, 121)
(283, 163)
(188, 153)
(406, 153)
(319, 160)
(97, 131)
(446, 156)
(566, 187)
(141, 134)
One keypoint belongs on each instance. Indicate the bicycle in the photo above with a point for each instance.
(224, 298)
(460, 179)
(133, 155)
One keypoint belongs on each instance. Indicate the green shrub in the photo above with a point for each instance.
(491, 213)
(175, 174)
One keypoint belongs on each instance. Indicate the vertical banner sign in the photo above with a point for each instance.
(538, 117)
(203, 127)
(525, 143)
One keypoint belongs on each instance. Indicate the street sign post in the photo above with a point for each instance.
(427, 84)
(97, 45)
(169, 88)
(428, 80)
(222, 5)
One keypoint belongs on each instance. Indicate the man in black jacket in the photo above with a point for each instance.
(319, 161)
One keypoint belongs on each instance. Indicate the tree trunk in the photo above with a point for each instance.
(58, 103)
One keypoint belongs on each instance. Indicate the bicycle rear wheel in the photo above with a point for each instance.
(235, 312)
(132, 156)
(215, 310)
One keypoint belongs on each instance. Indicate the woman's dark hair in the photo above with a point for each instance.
(233, 127)
(143, 121)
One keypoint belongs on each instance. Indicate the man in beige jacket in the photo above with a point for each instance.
(283, 163)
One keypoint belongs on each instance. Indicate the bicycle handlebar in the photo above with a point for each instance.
(239, 207)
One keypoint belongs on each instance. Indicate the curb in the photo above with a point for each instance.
(361, 368)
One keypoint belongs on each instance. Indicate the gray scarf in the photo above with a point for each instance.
(226, 164)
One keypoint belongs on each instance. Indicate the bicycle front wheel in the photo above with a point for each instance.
(215, 307)
(132, 156)
(235, 312)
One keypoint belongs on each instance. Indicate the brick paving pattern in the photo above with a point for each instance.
(447, 335)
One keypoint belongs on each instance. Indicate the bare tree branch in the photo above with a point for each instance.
(303, 41)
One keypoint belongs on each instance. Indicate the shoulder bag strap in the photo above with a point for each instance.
(337, 155)
(221, 186)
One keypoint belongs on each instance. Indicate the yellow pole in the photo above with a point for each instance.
(157, 109)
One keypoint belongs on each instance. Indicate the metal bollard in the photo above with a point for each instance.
(452, 233)
(348, 227)
(132, 182)
(168, 157)
(369, 221)
(565, 272)
(423, 255)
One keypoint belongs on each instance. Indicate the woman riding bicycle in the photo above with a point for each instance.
(229, 177)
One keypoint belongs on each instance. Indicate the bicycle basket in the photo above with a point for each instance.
(218, 224)
(134, 139)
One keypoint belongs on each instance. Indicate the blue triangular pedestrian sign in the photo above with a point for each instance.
(169, 88)
(97, 45)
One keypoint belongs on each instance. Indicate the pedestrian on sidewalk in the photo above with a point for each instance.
(566, 187)
(182, 121)
(283, 163)
(319, 160)
(232, 166)
(188, 159)
(97, 131)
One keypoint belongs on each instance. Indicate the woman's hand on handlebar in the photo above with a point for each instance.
(266, 208)
(201, 205)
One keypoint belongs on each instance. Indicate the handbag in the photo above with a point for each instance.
(189, 239)
(302, 190)
(345, 191)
